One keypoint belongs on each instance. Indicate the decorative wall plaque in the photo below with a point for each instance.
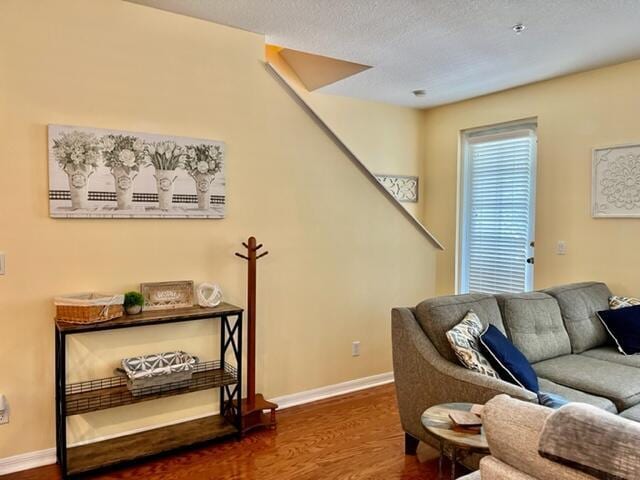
(167, 295)
(616, 182)
(404, 188)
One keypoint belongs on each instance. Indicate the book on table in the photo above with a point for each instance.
(465, 422)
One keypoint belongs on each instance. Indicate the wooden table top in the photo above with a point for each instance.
(437, 422)
(152, 317)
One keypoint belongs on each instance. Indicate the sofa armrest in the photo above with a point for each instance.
(423, 378)
(513, 429)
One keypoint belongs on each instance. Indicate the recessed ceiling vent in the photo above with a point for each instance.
(519, 28)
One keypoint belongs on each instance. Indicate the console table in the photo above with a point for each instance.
(99, 394)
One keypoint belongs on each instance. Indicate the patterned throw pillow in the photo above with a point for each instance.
(616, 302)
(464, 341)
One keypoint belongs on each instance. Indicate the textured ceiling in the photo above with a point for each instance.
(454, 49)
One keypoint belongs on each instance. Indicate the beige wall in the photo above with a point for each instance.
(341, 254)
(385, 138)
(575, 114)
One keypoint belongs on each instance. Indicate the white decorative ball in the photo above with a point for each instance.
(209, 294)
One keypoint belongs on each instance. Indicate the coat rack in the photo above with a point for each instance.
(254, 405)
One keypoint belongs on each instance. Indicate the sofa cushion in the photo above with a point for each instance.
(507, 360)
(512, 428)
(574, 395)
(534, 324)
(438, 315)
(618, 383)
(465, 342)
(623, 326)
(493, 469)
(593, 441)
(611, 354)
(632, 413)
(579, 303)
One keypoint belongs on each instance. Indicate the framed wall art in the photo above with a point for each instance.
(97, 173)
(616, 182)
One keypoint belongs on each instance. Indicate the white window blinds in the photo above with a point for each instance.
(498, 210)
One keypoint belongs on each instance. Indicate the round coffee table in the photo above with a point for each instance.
(438, 424)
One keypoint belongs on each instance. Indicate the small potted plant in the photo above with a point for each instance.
(133, 302)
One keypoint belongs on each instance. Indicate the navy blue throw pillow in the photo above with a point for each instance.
(624, 326)
(551, 400)
(508, 361)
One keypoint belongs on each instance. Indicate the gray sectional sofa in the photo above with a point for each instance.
(556, 329)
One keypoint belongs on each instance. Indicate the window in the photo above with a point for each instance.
(497, 209)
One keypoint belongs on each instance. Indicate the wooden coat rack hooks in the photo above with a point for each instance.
(255, 405)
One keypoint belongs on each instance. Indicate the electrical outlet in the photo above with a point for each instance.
(355, 349)
(2, 264)
(561, 247)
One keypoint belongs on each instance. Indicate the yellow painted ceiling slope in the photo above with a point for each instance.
(316, 71)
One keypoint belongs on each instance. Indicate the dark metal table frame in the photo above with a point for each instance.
(458, 451)
(230, 342)
(454, 455)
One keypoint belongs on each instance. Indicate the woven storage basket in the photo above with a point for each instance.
(159, 372)
(89, 308)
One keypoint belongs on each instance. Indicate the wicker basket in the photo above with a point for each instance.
(88, 308)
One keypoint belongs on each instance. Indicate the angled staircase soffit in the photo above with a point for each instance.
(316, 71)
(361, 166)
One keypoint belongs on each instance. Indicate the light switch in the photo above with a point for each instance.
(561, 247)
(2, 265)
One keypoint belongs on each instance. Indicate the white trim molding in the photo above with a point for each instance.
(329, 391)
(26, 461)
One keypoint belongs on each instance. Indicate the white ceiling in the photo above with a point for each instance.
(454, 49)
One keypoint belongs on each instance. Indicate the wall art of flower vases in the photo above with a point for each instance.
(97, 173)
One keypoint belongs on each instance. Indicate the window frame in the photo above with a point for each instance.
(481, 135)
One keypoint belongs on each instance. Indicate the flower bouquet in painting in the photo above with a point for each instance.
(78, 155)
(203, 162)
(124, 156)
(166, 157)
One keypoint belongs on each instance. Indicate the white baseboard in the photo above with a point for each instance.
(329, 391)
(26, 461)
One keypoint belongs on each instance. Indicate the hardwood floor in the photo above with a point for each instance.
(353, 437)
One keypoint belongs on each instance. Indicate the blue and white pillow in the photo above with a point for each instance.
(616, 302)
(511, 365)
(464, 341)
(623, 325)
(551, 400)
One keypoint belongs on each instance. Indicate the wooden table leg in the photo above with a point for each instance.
(453, 462)
(440, 460)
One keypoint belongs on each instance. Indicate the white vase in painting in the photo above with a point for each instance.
(124, 187)
(79, 186)
(203, 187)
(165, 180)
